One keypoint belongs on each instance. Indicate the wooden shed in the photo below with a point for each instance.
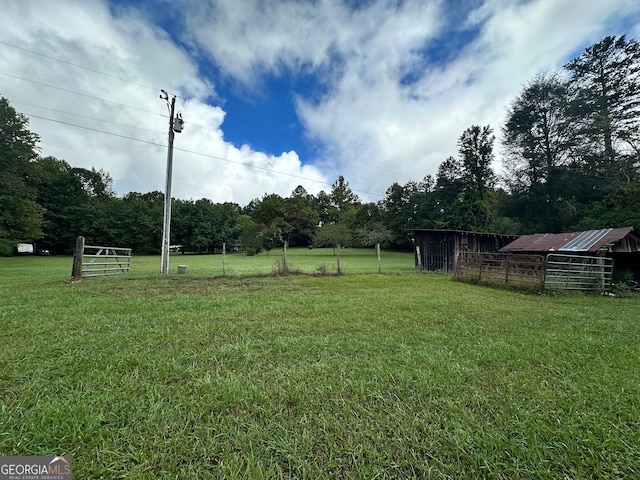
(438, 250)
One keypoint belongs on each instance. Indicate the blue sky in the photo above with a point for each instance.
(281, 93)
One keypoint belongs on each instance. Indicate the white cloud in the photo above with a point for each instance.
(377, 128)
(410, 129)
(128, 47)
(372, 122)
(250, 38)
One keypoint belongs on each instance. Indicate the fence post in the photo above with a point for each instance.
(506, 276)
(76, 270)
(224, 259)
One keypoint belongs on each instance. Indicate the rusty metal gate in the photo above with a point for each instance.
(554, 272)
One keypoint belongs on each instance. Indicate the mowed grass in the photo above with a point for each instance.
(360, 376)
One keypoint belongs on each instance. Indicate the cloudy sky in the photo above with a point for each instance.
(281, 93)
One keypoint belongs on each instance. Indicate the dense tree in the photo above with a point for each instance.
(71, 198)
(406, 207)
(20, 214)
(269, 209)
(464, 185)
(141, 222)
(605, 82)
(367, 214)
(301, 218)
(475, 147)
(536, 135)
(202, 225)
(322, 206)
(447, 197)
(571, 145)
(249, 234)
(225, 217)
(539, 148)
(270, 238)
(618, 209)
(294, 216)
(342, 197)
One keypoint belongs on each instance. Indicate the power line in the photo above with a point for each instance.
(87, 117)
(231, 114)
(83, 94)
(245, 164)
(156, 131)
(80, 66)
(135, 108)
(92, 129)
(145, 111)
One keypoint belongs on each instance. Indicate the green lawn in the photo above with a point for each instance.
(360, 376)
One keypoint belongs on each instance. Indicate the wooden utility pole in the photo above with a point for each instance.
(175, 125)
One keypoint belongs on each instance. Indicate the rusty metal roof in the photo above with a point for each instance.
(589, 241)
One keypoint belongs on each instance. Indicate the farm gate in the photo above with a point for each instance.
(577, 272)
(537, 272)
(94, 261)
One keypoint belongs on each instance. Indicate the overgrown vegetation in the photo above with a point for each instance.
(357, 376)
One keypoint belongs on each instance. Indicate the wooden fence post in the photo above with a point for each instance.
(76, 270)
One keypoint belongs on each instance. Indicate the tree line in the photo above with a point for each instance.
(570, 152)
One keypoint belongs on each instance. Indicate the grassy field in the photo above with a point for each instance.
(360, 376)
(311, 261)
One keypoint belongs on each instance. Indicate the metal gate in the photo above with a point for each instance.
(94, 261)
(577, 272)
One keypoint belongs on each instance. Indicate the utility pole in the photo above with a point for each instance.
(175, 125)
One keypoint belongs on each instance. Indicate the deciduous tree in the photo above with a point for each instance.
(20, 214)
